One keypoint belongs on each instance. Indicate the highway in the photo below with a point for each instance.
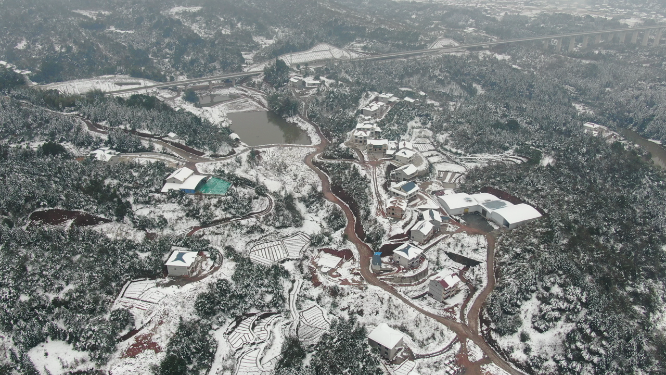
(388, 56)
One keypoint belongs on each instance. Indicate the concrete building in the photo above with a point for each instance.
(387, 340)
(405, 190)
(435, 218)
(404, 173)
(444, 285)
(384, 98)
(103, 154)
(374, 130)
(396, 207)
(311, 82)
(375, 109)
(404, 156)
(501, 212)
(182, 262)
(185, 180)
(407, 255)
(422, 232)
(377, 145)
(360, 137)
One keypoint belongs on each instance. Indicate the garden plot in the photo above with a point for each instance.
(251, 330)
(271, 252)
(249, 363)
(139, 297)
(312, 325)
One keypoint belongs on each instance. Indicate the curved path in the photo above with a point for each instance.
(462, 331)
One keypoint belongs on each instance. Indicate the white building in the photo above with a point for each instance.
(501, 212)
(444, 285)
(375, 109)
(311, 82)
(182, 262)
(396, 207)
(422, 232)
(377, 145)
(407, 255)
(515, 215)
(404, 156)
(103, 154)
(384, 98)
(185, 180)
(360, 137)
(404, 173)
(434, 217)
(386, 339)
(405, 190)
(374, 130)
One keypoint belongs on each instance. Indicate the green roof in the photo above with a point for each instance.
(215, 186)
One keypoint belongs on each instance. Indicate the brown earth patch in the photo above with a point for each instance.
(141, 344)
(57, 216)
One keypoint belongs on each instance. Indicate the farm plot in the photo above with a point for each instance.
(249, 363)
(404, 368)
(251, 330)
(273, 251)
(424, 147)
(319, 52)
(312, 325)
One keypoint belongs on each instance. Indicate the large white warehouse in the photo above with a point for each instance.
(489, 206)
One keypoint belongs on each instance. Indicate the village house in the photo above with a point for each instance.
(407, 255)
(387, 340)
(422, 232)
(404, 173)
(396, 207)
(360, 137)
(311, 82)
(374, 130)
(444, 285)
(375, 109)
(377, 145)
(404, 156)
(435, 218)
(405, 190)
(185, 180)
(384, 98)
(182, 262)
(103, 154)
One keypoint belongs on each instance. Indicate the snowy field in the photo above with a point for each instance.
(320, 52)
(103, 83)
(443, 42)
(55, 357)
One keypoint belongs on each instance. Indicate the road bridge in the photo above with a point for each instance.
(554, 42)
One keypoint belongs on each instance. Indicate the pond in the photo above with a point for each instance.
(257, 128)
(658, 152)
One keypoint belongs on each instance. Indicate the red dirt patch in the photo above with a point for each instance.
(57, 216)
(141, 344)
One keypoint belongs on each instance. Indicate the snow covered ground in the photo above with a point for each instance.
(320, 52)
(103, 83)
(55, 357)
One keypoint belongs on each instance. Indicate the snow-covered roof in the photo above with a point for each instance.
(385, 336)
(170, 186)
(496, 205)
(405, 144)
(406, 153)
(361, 133)
(378, 142)
(408, 169)
(234, 136)
(448, 281)
(181, 257)
(423, 226)
(518, 213)
(432, 215)
(408, 251)
(458, 200)
(192, 182)
(398, 202)
(172, 135)
(484, 197)
(367, 126)
(181, 174)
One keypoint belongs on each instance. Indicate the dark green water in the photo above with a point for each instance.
(658, 152)
(256, 128)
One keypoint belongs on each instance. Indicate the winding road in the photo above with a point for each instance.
(463, 331)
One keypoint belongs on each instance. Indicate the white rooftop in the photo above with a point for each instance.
(398, 202)
(408, 251)
(181, 174)
(378, 142)
(409, 169)
(181, 258)
(192, 182)
(385, 336)
(432, 215)
(407, 153)
(423, 226)
(484, 197)
(518, 213)
(458, 200)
